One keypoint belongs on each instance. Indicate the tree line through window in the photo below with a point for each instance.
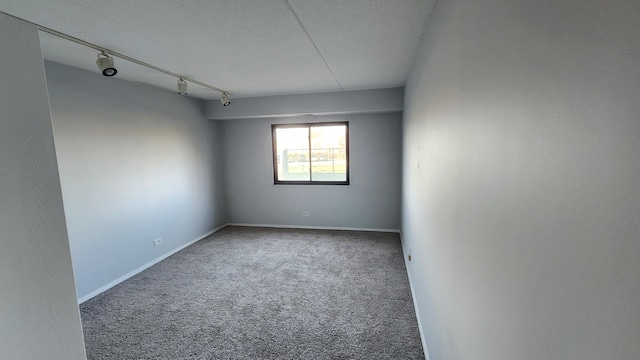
(313, 153)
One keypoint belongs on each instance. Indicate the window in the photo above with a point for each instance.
(315, 153)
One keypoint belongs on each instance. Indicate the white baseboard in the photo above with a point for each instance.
(145, 266)
(415, 303)
(315, 227)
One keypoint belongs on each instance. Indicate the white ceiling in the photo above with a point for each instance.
(249, 47)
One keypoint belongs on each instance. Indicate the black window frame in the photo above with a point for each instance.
(274, 147)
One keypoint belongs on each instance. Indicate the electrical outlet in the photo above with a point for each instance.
(157, 241)
(306, 213)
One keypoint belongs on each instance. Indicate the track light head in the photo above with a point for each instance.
(224, 99)
(182, 87)
(105, 64)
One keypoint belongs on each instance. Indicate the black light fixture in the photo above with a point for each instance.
(182, 87)
(105, 64)
(225, 99)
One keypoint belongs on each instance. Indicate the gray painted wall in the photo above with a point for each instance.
(136, 164)
(372, 200)
(521, 183)
(39, 317)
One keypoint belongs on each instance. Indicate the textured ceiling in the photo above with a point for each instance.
(249, 47)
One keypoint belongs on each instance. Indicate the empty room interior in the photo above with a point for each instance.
(305, 179)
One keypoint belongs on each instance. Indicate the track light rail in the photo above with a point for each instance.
(128, 58)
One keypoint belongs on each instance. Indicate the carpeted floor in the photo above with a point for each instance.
(260, 293)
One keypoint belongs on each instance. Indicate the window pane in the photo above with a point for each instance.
(329, 153)
(293, 153)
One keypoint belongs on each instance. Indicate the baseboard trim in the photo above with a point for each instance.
(415, 303)
(146, 266)
(315, 227)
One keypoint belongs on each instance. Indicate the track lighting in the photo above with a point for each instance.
(105, 63)
(225, 99)
(107, 68)
(182, 87)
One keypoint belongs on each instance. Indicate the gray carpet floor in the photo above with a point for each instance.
(260, 293)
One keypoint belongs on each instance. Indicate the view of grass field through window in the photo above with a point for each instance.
(311, 153)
